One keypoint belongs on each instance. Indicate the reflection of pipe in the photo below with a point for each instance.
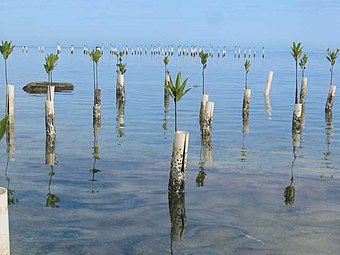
(269, 82)
(120, 118)
(10, 103)
(330, 98)
(179, 161)
(4, 223)
(296, 139)
(177, 217)
(268, 106)
(95, 147)
(243, 149)
(328, 130)
(10, 141)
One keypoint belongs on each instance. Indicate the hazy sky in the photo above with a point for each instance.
(219, 22)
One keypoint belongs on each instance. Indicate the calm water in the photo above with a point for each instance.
(123, 209)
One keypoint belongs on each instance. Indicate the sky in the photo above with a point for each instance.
(179, 22)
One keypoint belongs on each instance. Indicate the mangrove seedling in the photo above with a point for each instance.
(177, 91)
(95, 55)
(204, 59)
(3, 126)
(6, 48)
(296, 53)
(247, 65)
(331, 57)
(120, 65)
(302, 64)
(50, 64)
(166, 62)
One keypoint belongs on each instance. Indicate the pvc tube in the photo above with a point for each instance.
(10, 103)
(330, 98)
(179, 161)
(4, 223)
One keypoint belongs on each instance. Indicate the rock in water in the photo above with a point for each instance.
(40, 87)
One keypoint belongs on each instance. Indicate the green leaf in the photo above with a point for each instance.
(50, 62)
(6, 48)
(3, 126)
(95, 55)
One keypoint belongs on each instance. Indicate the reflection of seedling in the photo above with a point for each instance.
(6, 48)
(296, 53)
(302, 64)
(204, 59)
(200, 178)
(331, 57)
(177, 92)
(289, 195)
(247, 65)
(52, 199)
(3, 126)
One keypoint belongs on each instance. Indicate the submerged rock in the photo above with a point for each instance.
(40, 87)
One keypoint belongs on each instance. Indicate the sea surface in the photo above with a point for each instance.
(122, 207)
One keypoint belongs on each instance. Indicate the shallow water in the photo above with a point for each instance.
(123, 209)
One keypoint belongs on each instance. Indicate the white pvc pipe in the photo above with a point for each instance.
(50, 93)
(303, 90)
(297, 117)
(330, 98)
(209, 109)
(204, 99)
(10, 103)
(120, 79)
(167, 79)
(4, 223)
(179, 161)
(49, 113)
(247, 93)
(297, 110)
(269, 82)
